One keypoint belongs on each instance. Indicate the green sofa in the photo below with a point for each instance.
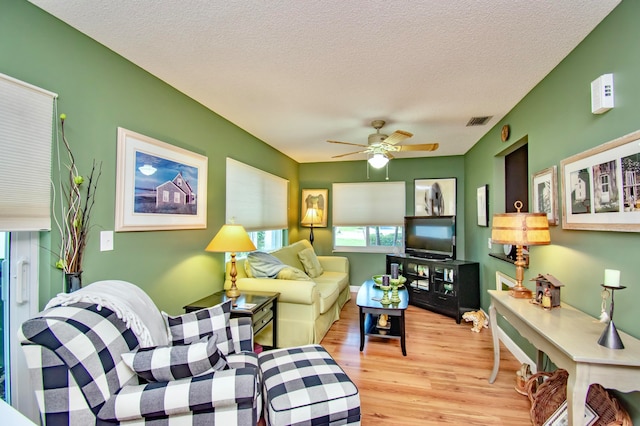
(306, 308)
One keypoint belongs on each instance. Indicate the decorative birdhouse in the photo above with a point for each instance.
(547, 286)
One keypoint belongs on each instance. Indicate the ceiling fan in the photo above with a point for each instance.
(380, 146)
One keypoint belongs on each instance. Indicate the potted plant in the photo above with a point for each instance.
(73, 214)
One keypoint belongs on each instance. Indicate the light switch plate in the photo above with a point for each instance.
(106, 240)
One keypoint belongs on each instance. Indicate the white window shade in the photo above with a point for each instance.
(256, 199)
(369, 204)
(26, 126)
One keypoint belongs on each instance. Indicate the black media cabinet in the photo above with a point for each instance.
(449, 287)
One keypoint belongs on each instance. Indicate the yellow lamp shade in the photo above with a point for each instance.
(231, 238)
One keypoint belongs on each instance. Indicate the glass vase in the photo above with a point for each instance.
(73, 281)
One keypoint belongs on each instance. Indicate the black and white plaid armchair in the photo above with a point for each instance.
(74, 354)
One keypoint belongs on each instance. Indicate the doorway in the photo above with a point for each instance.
(19, 252)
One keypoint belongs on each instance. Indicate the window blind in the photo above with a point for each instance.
(26, 130)
(256, 199)
(369, 204)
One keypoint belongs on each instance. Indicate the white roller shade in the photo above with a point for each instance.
(369, 203)
(256, 199)
(26, 127)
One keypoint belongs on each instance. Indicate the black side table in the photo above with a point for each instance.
(261, 307)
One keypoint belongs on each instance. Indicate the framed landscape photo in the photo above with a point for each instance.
(435, 197)
(601, 187)
(482, 205)
(544, 197)
(158, 186)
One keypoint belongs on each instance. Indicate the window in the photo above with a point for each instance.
(370, 237)
(258, 201)
(26, 133)
(368, 217)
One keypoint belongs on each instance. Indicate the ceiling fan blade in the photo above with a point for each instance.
(397, 136)
(419, 147)
(348, 153)
(347, 143)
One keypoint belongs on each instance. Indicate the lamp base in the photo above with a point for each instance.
(521, 293)
(233, 292)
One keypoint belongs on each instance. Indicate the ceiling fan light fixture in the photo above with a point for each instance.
(378, 161)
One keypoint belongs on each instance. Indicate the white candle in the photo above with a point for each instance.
(611, 278)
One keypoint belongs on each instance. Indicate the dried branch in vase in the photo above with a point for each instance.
(77, 198)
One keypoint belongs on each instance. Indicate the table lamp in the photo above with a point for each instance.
(311, 217)
(520, 229)
(231, 238)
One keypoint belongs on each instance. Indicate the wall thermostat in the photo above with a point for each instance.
(602, 94)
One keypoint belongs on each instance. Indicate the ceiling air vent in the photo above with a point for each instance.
(478, 121)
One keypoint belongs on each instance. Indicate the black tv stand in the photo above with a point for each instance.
(447, 286)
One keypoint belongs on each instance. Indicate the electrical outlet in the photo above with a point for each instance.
(489, 243)
(106, 240)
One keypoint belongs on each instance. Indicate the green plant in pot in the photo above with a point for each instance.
(72, 207)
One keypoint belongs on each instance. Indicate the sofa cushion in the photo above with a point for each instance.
(310, 262)
(166, 363)
(336, 278)
(191, 327)
(289, 254)
(329, 293)
(291, 273)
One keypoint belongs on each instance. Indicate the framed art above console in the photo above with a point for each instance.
(601, 187)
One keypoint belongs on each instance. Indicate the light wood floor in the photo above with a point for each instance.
(442, 380)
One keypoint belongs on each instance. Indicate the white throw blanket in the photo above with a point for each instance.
(129, 302)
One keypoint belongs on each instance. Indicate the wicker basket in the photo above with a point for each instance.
(548, 396)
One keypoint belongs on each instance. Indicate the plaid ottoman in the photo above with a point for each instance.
(304, 386)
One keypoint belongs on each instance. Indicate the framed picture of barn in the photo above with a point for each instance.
(158, 186)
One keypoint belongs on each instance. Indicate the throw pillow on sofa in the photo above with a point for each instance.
(310, 262)
(167, 363)
(291, 273)
(191, 327)
(263, 265)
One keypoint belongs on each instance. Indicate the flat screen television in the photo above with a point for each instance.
(432, 237)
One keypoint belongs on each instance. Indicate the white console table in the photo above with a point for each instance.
(569, 338)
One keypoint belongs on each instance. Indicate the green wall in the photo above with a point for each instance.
(322, 175)
(556, 117)
(100, 91)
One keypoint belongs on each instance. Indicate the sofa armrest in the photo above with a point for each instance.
(334, 263)
(291, 291)
(208, 392)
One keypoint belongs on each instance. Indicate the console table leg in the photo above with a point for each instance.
(402, 339)
(361, 330)
(496, 342)
(577, 388)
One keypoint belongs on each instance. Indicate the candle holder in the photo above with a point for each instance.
(610, 337)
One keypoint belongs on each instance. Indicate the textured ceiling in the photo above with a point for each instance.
(296, 73)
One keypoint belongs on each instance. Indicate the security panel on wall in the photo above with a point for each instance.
(602, 94)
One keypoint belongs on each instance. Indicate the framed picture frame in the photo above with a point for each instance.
(601, 187)
(158, 186)
(314, 207)
(544, 197)
(435, 197)
(482, 205)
